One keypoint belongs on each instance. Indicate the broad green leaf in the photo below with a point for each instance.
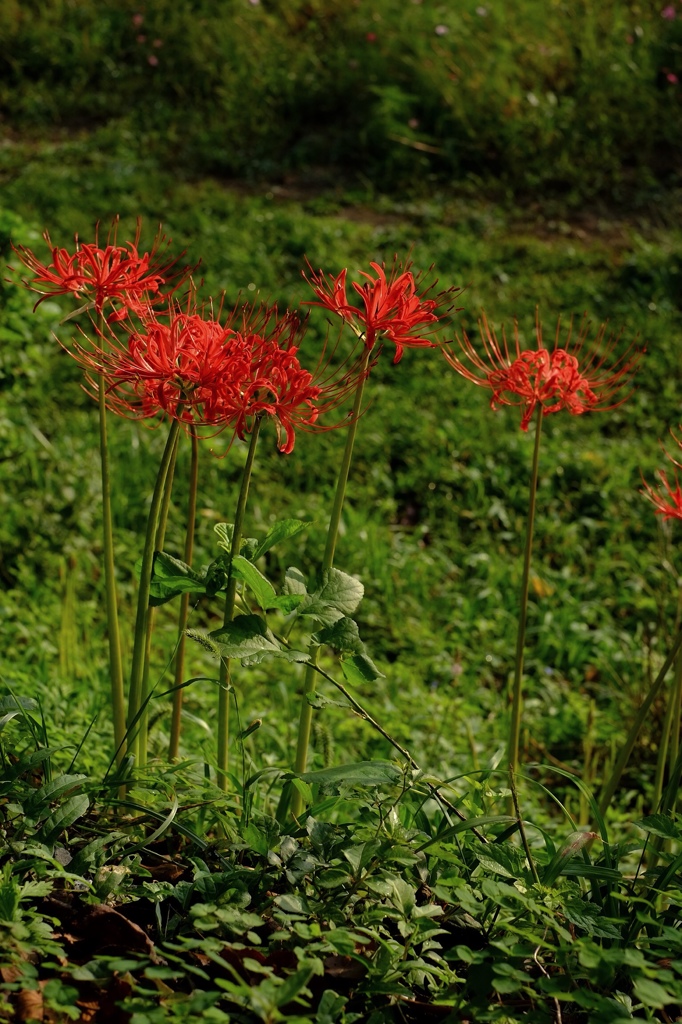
(590, 918)
(660, 825)
(362, 773)
(337, 594)
(290, 903)
(343, 635)
(502, 860)
(359, 669)
(295, 583)
(11, 703)
(65, 815)
(403, 897)
(651, 994)
(247, 637)
(262, 589)
(280, 531)
(171, 577)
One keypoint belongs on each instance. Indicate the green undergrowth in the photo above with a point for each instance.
(381, 906)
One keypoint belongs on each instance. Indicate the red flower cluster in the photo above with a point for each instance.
(115, 273)
(568, 376)
(667, 500)
(201, 372)
(393, 308)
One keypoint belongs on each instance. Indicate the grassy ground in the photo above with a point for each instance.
(530, 152)
(439, 488)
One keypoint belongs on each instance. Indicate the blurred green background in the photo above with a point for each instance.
(531, 151)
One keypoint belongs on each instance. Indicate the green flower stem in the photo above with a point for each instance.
(517, 698)
(664, 738)
(151, 615)
(224, 679)
(176, 721)
(675, 723)
(624, 756)
(140, 639)
(310, 680)
(115, 659)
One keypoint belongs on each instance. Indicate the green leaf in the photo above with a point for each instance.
(360, 669)
(10, 703)
(287, 602)
(462, 826)
(225, 532)
(294, 583)
(362, 773)
(8, 718)
(337, 594)
(590, 918)
(297, 981)
(28, 762)
(262, 589)
(501, 860)
(247, 637)
(171, 577)
(651, 994)
(65, 815)
(319, 701)
(343, 635)
(90, 856)
(280, 531)
(575, 843)
(56, 788)
(660, 825)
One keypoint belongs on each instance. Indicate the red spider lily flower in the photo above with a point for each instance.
(204, 373)
(117, 273)
(276, 384)
(394, 309)
(570, 375)
(190, 368)
(667, 500)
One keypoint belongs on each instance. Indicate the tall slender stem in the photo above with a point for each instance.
(517, 696)
(224, 679)
(159, 542)
(624, 756)
(310, 680)
(664, 739)
(675, 723)
(139, 644)
(176, 721)
(115, 659)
